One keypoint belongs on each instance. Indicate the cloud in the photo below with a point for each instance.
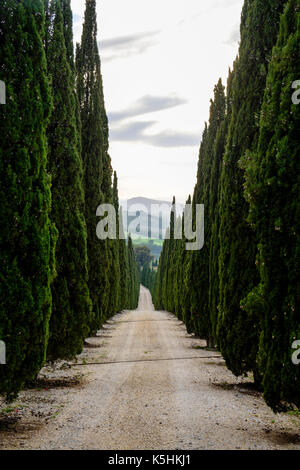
(121, 47)
(170, 138)
(135, 132)
(218, 4)
(148, 104)
(208, 7)
(224, 3)
(234, 36)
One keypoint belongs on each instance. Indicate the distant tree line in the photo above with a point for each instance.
(148, 278)
(241, 292)
(145, 260)
(58, 282)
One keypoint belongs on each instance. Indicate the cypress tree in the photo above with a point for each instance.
(148, 278)
(272, 190)
(167, 294)
(203, 195)
(193, 316)
(214, 211)
(71, 302)
(177, 276)
(115, 255)
(27, 236)
(186, 277)
(124, 267)
(165, 272)
(94, 147)
(68, 35)
(113, 268)
(134, 281)
(237, 332)
(159, 285)
(145, 262)
(172, 280)
(48, 13)
(68, 31)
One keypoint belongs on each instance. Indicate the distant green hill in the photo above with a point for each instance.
(152, 221)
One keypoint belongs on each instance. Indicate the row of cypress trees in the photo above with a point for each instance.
(148, 278)
(58, 281)
(134, 277)
(145, 261)
(241, 291)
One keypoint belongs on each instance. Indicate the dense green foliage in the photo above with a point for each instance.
(214, 213)
(189, 271)
(55, 171)
(272, 190)
(107, 263)
(26, 241)
(148, 278)
(143, 255)
(59, 282)
(237, 331)
(89, 88)
(115, 252)
(134, 277)
(144, 260)
(71, 308)
(241, 290)
(204, 194)
(124, 265)
(178, 284)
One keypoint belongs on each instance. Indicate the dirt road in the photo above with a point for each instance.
(158, 390)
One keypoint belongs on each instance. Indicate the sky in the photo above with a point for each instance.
(160, 62)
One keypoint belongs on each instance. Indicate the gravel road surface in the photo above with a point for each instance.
(150, 385)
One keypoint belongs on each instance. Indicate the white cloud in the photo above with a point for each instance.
(122, 47)
(135, 132)
(147, 104)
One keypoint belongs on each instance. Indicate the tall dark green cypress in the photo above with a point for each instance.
(111, 198)
(171, 289)
(203, 195)
(193, 316)
(158, 290)
(68, 31)
(256, 332)
(148, 278)
(272, 190)
(68, 35)
(26, 240)
(115, 272)
(94, 148)
(186, 277)
(134, 282)
(72, 307)
(238, 332)
(214, 212)
(124, 267)
(167, 294)
(179, 246)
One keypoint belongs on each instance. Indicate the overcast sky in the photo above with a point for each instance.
(160, 62)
